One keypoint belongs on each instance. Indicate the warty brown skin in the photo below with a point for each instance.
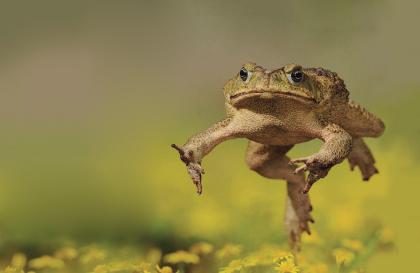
(278, 109)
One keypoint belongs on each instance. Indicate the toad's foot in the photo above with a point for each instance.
(302, 208)
(317, 169)
(366, 167)
(361, 157)
(194, 168)
(297, 216)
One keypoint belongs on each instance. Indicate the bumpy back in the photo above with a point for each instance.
(332, 89)
(335, 104)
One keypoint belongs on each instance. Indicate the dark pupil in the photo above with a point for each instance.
(243, 74)
(297, 76)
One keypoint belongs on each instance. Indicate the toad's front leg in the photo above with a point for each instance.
(336, 147)
(199, 145)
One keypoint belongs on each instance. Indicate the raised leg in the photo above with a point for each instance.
(271, 162)
(361, 156)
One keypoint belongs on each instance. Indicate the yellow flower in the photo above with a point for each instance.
(228, 250)
(239, 264)
(181, 256)
(46, 262)
(201, 248)
(287, 266)
(235, 265)
(354, 245)
(343, 256)
(18, 261)
(66, 253)
(165, 269)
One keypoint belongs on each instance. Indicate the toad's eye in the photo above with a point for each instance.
(243, 73)
(296, 76)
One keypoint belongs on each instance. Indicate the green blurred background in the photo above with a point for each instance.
(92, 93)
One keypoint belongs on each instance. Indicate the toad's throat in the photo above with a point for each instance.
(240, 95)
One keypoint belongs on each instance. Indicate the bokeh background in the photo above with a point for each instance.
(92, 93)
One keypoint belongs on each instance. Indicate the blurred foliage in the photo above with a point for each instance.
(93, 93)
(319, 256)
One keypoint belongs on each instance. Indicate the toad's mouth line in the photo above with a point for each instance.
(274, 93)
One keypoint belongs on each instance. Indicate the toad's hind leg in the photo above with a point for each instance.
(271, 161)
(362, 157)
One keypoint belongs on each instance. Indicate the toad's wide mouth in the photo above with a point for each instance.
(269, 94)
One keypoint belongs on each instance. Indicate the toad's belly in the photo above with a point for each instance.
(275, 128)
(276, 135)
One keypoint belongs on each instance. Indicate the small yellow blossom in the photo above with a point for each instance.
(354, 245)
(229, 250)
(343, 256)
(201, 248)
(18, 260)
(46, 262)
(66, 253)
(287, 266)
(181, 256)
(165, 269)
(234, 266)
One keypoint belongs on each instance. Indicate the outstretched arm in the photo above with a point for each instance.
(199, 145)
(336, 147)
